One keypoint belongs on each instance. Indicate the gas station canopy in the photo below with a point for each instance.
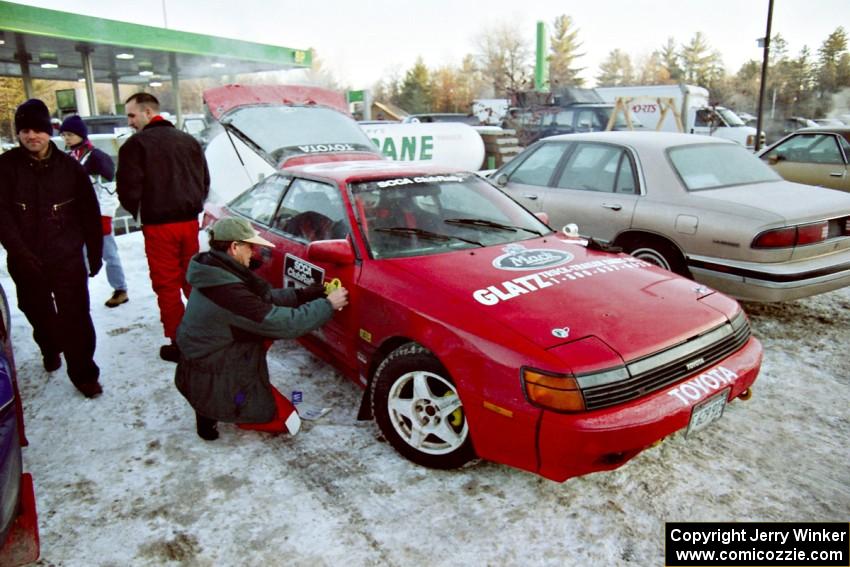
(49, 44)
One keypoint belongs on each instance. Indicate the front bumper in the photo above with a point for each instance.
(575, 444)
(754, 281)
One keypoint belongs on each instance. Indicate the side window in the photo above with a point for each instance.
(312, 211)
(588, 121)
(825, 150)
(808, 148)
(626, 176)
(537, 169)
(564, 120)
(845, 145)
(260, 202)
(593, 167)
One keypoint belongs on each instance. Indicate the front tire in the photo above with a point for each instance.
(419, 411)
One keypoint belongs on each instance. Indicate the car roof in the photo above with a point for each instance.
(843, 130)
(344, 171)
(647, 139)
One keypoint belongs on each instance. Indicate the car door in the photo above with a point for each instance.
(314, 210)
(813, 159)
(528, 180)
(596, 188)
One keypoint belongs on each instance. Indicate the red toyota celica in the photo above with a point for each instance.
(477, 331)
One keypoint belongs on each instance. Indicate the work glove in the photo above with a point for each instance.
(310, 293)
(95, 263)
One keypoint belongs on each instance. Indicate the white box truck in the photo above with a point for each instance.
(679, 108)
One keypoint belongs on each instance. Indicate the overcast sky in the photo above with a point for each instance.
(363, 42)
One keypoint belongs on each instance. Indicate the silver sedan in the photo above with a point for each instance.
(699, 206)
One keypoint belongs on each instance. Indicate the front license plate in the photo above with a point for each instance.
(708, 411)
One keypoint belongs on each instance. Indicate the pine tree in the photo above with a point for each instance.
(563, 53)
(415, 95)
(616, 70)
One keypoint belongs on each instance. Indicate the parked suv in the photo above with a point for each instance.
(542, 121)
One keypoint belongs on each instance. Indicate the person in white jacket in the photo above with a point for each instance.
(98, 165)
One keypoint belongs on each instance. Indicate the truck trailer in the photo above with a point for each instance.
(679, 108)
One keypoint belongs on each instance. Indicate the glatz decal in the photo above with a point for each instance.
(510, 289)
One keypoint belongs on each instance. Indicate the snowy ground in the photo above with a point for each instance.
(124, 480)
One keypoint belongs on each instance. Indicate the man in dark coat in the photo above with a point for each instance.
(48, 211)
(163, 181)
(231, 315)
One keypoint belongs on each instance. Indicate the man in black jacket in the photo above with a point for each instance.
(48, 210)
(163, 181)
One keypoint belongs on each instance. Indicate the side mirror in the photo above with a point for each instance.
(338, 252)
(544, 217)
(570, 230)
(501, 180)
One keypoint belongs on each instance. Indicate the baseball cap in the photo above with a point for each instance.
(237, 230)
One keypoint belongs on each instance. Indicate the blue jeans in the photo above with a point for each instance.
(114, 271)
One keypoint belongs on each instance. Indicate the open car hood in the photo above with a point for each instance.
(221, 100)
(288, 125)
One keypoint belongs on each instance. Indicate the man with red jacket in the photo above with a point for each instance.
(163, 181)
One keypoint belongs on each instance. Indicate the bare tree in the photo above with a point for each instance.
(505, 59)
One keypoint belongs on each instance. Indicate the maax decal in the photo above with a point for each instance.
(518, 257)
(491, 295)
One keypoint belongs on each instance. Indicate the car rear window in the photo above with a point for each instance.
(709, 166)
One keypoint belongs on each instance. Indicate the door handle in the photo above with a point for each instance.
(837, 174)
(531, 196)
(612, 206)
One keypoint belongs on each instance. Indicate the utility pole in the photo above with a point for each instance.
(763, 74)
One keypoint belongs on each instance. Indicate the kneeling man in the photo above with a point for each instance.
(230, 319)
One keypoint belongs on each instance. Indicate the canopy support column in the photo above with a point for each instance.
(175, 89)
(88, 73)
(24, 59)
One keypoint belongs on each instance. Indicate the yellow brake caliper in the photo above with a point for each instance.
(456, 417)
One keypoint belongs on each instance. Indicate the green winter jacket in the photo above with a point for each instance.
(231, 312)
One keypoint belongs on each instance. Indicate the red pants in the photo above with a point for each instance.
(169, 247)
(278, 424)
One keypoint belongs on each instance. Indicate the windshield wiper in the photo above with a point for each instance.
(490, 224)
(427, 234)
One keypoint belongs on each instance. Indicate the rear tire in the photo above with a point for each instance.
(658, 252)
(418, 410)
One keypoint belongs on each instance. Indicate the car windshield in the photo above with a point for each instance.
(432, 214)
(284, 131)
(730, 117)
(709, 166)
